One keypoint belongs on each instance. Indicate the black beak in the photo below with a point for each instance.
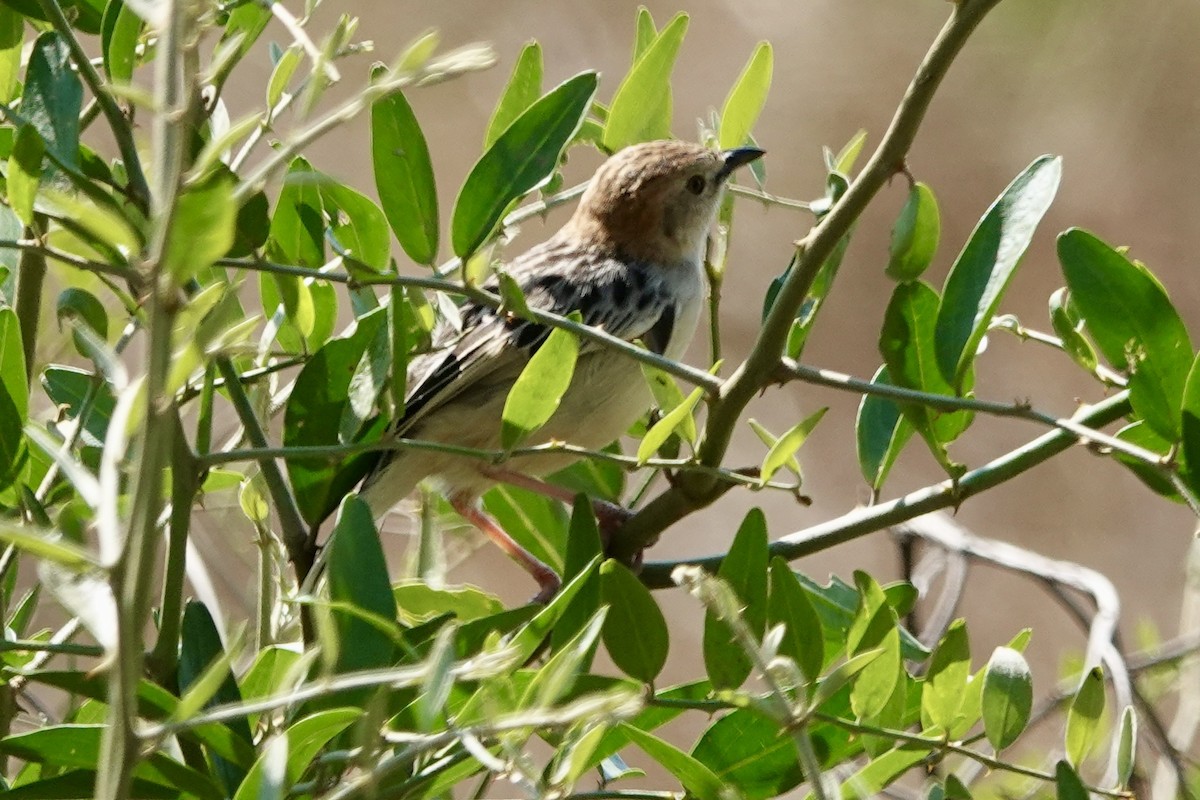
(737, 157)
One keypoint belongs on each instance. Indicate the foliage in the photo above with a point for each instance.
(209, 282)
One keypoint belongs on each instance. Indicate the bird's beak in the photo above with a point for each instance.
(737, 157)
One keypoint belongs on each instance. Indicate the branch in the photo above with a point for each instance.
(755, 372)
(947, 494)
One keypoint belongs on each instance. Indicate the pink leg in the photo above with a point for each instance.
(546, 578)
(609, 516)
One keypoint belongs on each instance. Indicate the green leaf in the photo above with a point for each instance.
(583, 548)
(1068, 785)
(202, 229)
(1064, 318)
(82, 307)
(201, 650)
(882, 771)
(747, 97)
(539, 388)
(305, 740)
(915, 235)
(524, 156)
(1126, 746)
(677, 417)
(14, 397)
(523, 89)
(529, 638)
(315, 413)
(68, 387)
(25, 172)
(908, 344)
(645, 33)
(281, 74)
(1007, 697)
(745, 750)
(53, 97)
(12, 33)
(641, 108)
(693, 774)
(790, 606)
(404, 177)
(536, 522)
(418, 602)
(1158, 481)
(119, 32)
(1083, 719)
(635, 632)
(946, 680)
(875, 626)
(979, 277)
(881, 431)
(1132, 321)
(744, 568)
(361, 229)
(668, 397)
(358, 577)
(785, 448)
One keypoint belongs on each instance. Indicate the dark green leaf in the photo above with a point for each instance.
(946, 680)
(979, 277)
(881, 431)
(314, 416)
(68, 387)
(641, 108)
(803, 640)
(201, 646)
(1067, 783)
(537, 391)
(523, 89)
(358, 577)
(298, 225)
(305, 740)
(83, 307)
(1132, 321)
(82, 783)
(583, 548)
(908, 343)
(1083, 719)
(635, 632)
(530, 637)
(524, 156)
(747, 97)
(1007, 697)
(693, 775)
(53, 97)
(1158, 480)
(915, 235)
(744, 568)
(404, 177)
(751, 754)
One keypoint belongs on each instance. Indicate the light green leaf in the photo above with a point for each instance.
(202, 229)
(282, 74)
(946, 681)
(915, 235)
(641, 108)
(523, 89)
(668, 397)
(657, 436)
(747, 97)
(1083, 719)
(746, 751)
(25, 172)
(645, 34)
(784, 450)
(12, 32)
(119, 32)
(1064, 318)
(1007, 697)
(1126, 746)
(539, 388)
(693, 774)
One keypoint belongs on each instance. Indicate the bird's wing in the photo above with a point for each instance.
(627, 300)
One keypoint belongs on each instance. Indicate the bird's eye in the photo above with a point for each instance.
(695, 184)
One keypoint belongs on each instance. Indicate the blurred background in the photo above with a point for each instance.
(1103, 83)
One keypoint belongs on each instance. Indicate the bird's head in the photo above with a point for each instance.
(655, 201)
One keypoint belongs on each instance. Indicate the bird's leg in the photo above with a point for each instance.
(609, 516)
(547, 579)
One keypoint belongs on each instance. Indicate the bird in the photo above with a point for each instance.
(630, 261)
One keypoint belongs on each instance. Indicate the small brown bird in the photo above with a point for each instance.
(630, 261)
